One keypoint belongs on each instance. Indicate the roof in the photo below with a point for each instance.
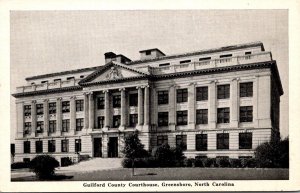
(153, 49)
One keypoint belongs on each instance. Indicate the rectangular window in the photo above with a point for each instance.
(65, 125)
(223, 115)
(182, 95)
(26, 146)
(246, 114)
(133, 100)
(163, 97)
(27, 128)
(77, 145)
(52, 108)
(133, 120)
(116, 121)
(246, 89)
(79, 105)
(226, 55)
(182, 117)
(148, 52)
(181, 141)
(223, 91)
(40, 126)
(161, 139)
(100, 102)
(245, 140)
(184, 61)
(71, 78)
(164, 64)
(44, 81)
(27, 110)
(202, 93)
(201, 142)
(65, 107)
(201, 116)
(117, 101)
(39, 109)
(247, 53)
(64, 145)
(100, 121)
(51, 146)
(206, 58)
(39, 146)
(79, 124)
(52, 126)
(223, 141)
(56, 80)
(163, 119)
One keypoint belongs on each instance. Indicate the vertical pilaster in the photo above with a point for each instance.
(86, 111)
(191, 106)
(172, 107)
(73, 115)
(91, 111)
(107, 109)
(33, 118)
(255, 101)
(123, 109)
(20, 120)
(46, 117)
(234, 98)
(212, 105)
(140, 106)
(146, 106)
(153, 106)
(58, 116)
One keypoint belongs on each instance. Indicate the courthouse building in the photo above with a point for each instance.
(214, 102)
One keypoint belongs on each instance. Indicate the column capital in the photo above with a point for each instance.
(46, 100)
(214, 81)
(33, 101)
(73, 97)
(173, 86)
(237, 79)
(105, 91)
(192, 83)
(59, 98)
(139, 87)
(122, 89)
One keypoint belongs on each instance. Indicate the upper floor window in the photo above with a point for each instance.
(71, 78)
(133, 120)
(181, 141)
(182, 95)
(202, 93)
(77, 145)
(79, 105)
(27, 110)
(184, 61)
(161, 139)
(223, 115)
(100, 121)
(39, 146)
(246, 89)
(163, 118)
(52, 108)
(201, 116)
(163, 97)
(164, 64)
(44, 81)
(245, 140)
(39, 109)
(116, 121)
(206, 58)
(133, 100)
(223, 91)
(65, 106)
(64, 145)
(226, 55)
(201, 142)
(39, 126)
(51, 146)
(26, 147)
(246, 114)
(117, 101)
(148, 52)
(79, 124)
(65, 125)
(52, 126)
(182, 117)
(223, 141)
(247, 53)
(27, 128)
(100, 102)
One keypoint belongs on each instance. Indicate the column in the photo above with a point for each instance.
(58, 116)
(140, 106)
(191, 106)
(146, 106)
(33, 118)
(46, 117)
(172, 107)
(234, 104)
(91, 111)
(72, 115)
(86, 111)
(123, 109)
(107, 109)
(212, 109)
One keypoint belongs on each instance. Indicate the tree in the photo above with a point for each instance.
(43, 166)
(134, 148)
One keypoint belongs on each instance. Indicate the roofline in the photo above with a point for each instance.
(123, 56)
(152, 50)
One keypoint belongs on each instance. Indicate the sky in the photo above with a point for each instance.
(51, 41)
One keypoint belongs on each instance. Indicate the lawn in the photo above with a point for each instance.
(124, 174)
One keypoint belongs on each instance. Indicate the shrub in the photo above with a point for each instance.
(248, 163)
(43, 166)
(148, 162)
(222, 162)
(84, 157)
(199, 162)
(235, 163)
(209, 162)
(127, 163)
(164, 156)
(189, 162)
(19, 165)
(66, 161)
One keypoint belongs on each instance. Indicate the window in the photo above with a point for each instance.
(52, 108)
(162, 97)
(245, 140)
(148, 52)
(100, 121)
(164, 64)
(201, 116)
(64, 145)
(206, 58)
(116, 121)
(117, 101)
(39, 126)
(226, 55)
(52, 126)
(79, 124)
(247, 53)
(39, 146)
(65, 125)
(71, 78)
(65, 106)
(184, 61)
(39, 109)
(51, 146)
(81, 76)
(246, 89)
(182, 95)
(246, 114)
(44, 81)
(133, 120)
(182, 117)
(201, 142)
(100, 102)
(202, 93)
(223, 91)
(26, 160)
(223, 115)
(77, 145)
(161, 139)
(79, 105)
(27, 110)
(56, 80)
(223, 141)
(163, 119)
(133, 100)
(181, 141)
(26, 146)
(27, 128)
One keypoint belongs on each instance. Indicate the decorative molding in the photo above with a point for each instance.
(33, 101)
(46, 100)
(59, 98)
(122, 89)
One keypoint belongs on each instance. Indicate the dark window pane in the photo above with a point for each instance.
(223, 141)
(161, 139)
(52, 126)
(77, 145)
(39, 146)
(201, 142)
(51, 146)
(100, 121)
(133, 120)
(245, 140)
(39, 109)
(246, 114)
(79, 105)
(26, 146)
(116, 121)
(27, 110)
(202, 93)
(182, 117)
(52, 108)
(223, 115)
(181, 141)
(223, 91)
(65, 125)
(133, 99)
(246, 89)
(79, 124)
(100, 102)
(162, 97)
(65, 106)
(182, 95)
(40, 126)
(163, 119)
(64, 145)
(117, 101)
(201, 116)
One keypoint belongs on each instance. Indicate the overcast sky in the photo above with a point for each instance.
(52, 41)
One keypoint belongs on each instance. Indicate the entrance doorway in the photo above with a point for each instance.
(97, 147)
(113, 147)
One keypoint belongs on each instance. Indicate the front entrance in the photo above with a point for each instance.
(113, 147)
(97, 147)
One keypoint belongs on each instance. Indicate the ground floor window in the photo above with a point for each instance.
(245, 140)
(77, 145)
(39, 146)
(51, 146)
(223, 141)
(64, 145)
(181, 141)
(201, 142)
(161, 139)
(26, 146)
(133, 120)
